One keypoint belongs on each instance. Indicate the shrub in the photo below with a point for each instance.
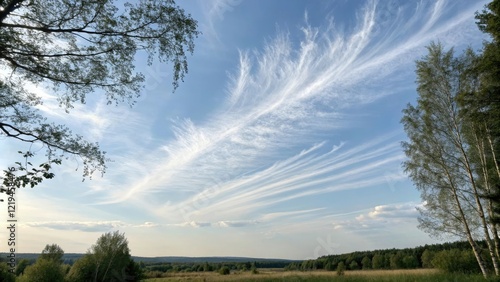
(43, 270)
(224, 270)
(340, 268)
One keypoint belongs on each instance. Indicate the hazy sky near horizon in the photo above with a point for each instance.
(282, 142)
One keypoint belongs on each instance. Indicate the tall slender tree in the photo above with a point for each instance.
(439, 160)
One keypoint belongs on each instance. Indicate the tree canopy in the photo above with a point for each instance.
(108, 259)
(52, 252)
(76, 48)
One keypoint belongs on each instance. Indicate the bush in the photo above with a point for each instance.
(224, 270)
(253, 268)
(43, 271)
(340, 268)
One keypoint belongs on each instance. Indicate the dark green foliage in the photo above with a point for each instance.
(43, 271)
(407, 258)
(427, 257)
(410, 261)
(462, 261)
(40, 44)
(52, 252)
(224, 270)
(366, 262)
(21, 266)
(378, 262)
(397, 261)
(353, 265)
(341, 269)
(253, 268)
(5, 274)
(82, 270)
(483, 106)
(488, 20)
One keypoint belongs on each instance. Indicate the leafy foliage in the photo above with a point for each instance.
(224, 270)
(340, 268)
(483, 106)
(107, 260)
(5, 274)
(52, 252)
(44, 271)
(455, 260)
(21, 266)
(366, 262)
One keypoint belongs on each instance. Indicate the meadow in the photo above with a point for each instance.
(413, 275)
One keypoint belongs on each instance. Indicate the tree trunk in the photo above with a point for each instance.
(493, 154)
(481, 151)
(475, 248)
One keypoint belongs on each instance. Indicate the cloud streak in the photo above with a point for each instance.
(249, 155)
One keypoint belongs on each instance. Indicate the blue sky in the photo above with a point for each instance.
(283, 141)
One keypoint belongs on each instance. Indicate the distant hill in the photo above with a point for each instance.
(68, 257)
(206, 259)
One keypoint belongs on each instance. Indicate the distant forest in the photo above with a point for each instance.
(452, 257)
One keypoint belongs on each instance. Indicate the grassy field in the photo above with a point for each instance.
(415, 275)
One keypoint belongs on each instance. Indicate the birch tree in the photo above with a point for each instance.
(439, 161)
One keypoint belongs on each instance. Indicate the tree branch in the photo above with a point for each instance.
(13, 5)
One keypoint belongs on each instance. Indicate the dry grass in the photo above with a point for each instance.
(280, 275)
(392, 272)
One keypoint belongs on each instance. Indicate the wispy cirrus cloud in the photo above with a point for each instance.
(87, 226)
(248, 155)
(98, 226)
(214, 14)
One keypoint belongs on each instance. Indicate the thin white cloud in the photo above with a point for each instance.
(99, 226)
(382, 217)
(286, 214)
(214, 15)
(236, 223)
(193, 224)
(87, 226)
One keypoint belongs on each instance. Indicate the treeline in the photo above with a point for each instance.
(451, 257)
(157, 270)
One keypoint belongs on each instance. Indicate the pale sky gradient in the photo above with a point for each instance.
(283, 141)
